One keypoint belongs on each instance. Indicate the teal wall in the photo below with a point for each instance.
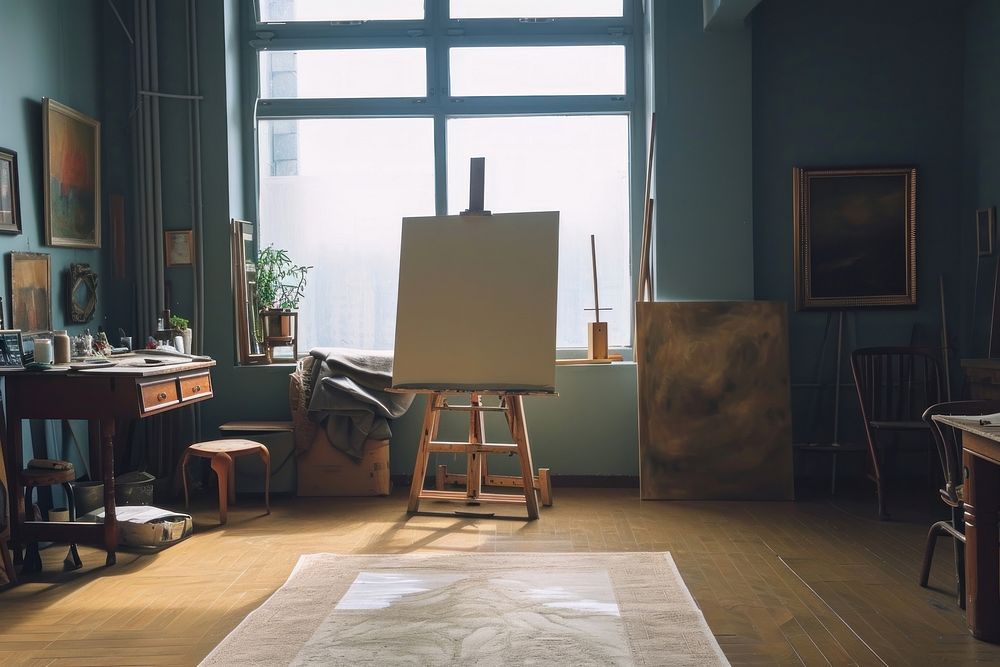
(62, 49)
(49, 49)
(981, 168)
(855, 83)
(704, 201)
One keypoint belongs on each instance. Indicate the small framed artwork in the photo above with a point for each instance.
(985, 223)
(30, 292)
(72, 177)
(81, 298)
(855, 237)
(179, 248)
(11, 349)
(10, 204)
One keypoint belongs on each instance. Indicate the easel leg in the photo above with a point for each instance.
(420, 466)
(474, 459)
(520, 432)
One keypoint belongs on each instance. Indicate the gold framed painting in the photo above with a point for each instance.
(10, 203)
(855, 237)
(72, 177)
(30, 292)
(179, 247)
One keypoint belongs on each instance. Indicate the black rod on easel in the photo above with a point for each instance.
(945, 357)
(836, 393)
(477, 187)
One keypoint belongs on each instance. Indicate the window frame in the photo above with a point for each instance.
(437, 33)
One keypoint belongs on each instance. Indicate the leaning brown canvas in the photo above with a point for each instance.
(714, 416)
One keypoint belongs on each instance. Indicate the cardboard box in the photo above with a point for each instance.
(250, 469)
(326, 471)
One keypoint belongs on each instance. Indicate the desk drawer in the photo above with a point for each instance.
(196, 386)
(158, 395)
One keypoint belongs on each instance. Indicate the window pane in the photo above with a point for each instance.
(343, 73)
(515, 9)
(577, 165)
(538, 70)
(333, 193)
(340, 10)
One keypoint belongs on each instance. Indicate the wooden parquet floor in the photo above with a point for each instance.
(807, 583)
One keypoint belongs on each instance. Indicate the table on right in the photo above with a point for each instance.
(981, 471)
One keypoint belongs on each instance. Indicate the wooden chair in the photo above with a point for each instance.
(221, 454)
(949, 448)
(894, 385)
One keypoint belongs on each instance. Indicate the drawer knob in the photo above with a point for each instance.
(196, 388)
(162, 396)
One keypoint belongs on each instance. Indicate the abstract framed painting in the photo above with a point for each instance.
(30, 292)
(72, 178)
(855, 237)
(10, 204)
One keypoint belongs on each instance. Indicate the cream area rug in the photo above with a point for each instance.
(476, 609)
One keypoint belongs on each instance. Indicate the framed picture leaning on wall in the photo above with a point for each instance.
(855, 237)
(72, 177)
(11, 349)
(30, 292)
(10, 201)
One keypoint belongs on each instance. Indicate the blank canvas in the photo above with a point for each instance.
(477, 302)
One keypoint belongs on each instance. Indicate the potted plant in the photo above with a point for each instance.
(181, 328)
(280, 287)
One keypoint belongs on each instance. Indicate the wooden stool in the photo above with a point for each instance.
(32, 478)
(221, 454)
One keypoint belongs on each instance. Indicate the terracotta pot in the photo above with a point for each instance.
(277, 322)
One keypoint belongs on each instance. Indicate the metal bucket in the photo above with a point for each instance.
(134, 488)
(88, 496)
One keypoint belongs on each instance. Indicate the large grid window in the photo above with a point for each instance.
(369, 112)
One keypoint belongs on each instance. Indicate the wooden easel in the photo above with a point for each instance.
(475, 447)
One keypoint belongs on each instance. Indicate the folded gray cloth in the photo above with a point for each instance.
(349, 397)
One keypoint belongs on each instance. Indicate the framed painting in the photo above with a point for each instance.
(855, 237)
(248, 327)
(10, 203)
(72, 178)
(985, 222)
(30, 292)
(11, 349)
(179, 247)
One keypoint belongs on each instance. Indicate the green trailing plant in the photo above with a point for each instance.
(280, 282)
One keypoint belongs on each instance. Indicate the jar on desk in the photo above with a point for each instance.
(61, 346)
(43, 350)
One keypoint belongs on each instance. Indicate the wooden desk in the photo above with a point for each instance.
(981, 464)
(100, 396)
